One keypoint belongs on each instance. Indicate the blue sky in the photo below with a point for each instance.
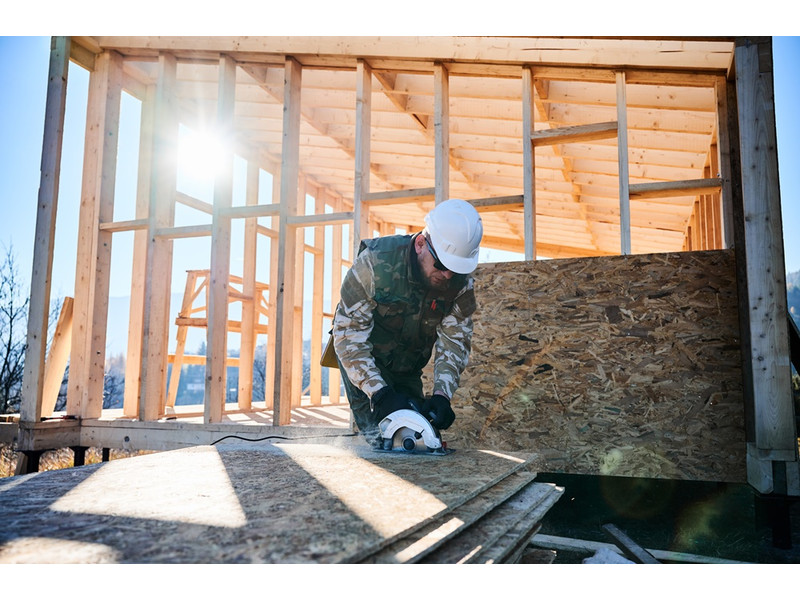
(23, 69)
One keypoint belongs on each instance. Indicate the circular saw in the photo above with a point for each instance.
(407, 431)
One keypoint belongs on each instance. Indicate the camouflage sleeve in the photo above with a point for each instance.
(352, 325)
(454, 342)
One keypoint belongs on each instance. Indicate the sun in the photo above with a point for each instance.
(201, 156)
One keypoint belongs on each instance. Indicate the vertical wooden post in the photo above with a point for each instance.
(528, 165)
(725, 171)
(87, 356)
(249, 307)
(622, 152)
(133, 362)
(47, 207)
(716, 213)
(287, 243)
(317, 305)
(363, 126)
(299, 296)
(774, 432)
(111, 88)
(158, 261)
(441, 126)
(334, 377)
(272, 319)
(217, 345)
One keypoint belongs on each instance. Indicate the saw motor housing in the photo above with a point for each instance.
(406, 430)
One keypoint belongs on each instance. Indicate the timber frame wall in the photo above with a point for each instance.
(578, 181)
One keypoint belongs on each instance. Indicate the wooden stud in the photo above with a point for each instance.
(158, 261)
(362, 173)
(284, 317)
(716, 200)
(272, 319)
(133, 361)
(92, 276)
(441, 125)
(528, 165)
(105, 212)
(318, 289)
(774, 425)
(217, 346)
(249, 305)
(47, 207)
(334, 377)
(724, 145)
(296, 341)
(622, 150)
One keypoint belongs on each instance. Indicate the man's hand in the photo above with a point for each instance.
(386, 400)
(437, 409)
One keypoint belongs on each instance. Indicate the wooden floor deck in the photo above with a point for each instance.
(336, 501)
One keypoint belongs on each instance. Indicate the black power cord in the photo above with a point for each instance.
(283, 437)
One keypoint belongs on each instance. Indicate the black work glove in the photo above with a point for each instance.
(386, 400)
(437, 409)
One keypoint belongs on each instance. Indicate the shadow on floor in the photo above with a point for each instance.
(718, 520)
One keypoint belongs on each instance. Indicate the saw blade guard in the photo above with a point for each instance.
(410, 428)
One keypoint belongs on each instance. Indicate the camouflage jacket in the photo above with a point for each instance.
(388, 321)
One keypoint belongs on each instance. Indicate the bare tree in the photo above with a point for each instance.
(13, 333)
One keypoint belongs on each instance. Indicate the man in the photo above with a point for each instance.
(405, 296)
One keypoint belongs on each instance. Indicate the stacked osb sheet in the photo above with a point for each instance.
(624, 365)
(282, 503)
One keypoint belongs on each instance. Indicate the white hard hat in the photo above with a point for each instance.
(455, 231)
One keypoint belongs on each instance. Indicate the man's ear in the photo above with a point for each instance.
(418, 244)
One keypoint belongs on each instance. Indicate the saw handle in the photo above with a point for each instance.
(387, 400)
(437, 408)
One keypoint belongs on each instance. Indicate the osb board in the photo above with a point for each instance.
(413, 547)
(624, 365)
(238, 503)
(500, 527)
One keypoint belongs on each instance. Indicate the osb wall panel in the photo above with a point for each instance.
(625, 365)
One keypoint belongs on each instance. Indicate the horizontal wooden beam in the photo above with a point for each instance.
(321, 219)
(185, 231)
(253, 210)
(666, 189)
(498, 204)
(117, 226)
(399, 196)
(190, 359)
(575, 133)
(202, 322)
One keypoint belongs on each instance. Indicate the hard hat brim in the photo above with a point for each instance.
(458, 264)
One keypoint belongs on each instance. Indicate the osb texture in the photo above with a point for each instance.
(500, 527)
(238, 503)
(625, 365)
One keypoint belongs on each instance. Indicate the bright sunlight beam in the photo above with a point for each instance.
(201, 155)
(141, 487)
